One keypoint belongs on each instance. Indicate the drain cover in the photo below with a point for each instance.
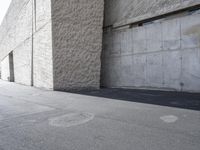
(71, 119)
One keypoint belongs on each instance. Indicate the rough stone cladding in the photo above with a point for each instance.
(120, 12)
(26, 30)
(16, 26)
(5, 75)
(74, 55)
(22, 63)
(15, 35)
(42, 45)
(77, 43)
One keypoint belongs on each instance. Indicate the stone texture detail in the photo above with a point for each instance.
(42, 58)
(5, 69)
(22, 63)
(120, 12)
(70, 59)
(77, 38)
(42, 45)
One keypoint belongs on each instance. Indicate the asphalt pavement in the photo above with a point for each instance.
(106, 119)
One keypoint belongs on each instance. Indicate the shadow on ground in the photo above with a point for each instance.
(171, 99)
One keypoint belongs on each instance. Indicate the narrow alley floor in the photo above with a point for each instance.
(108, 119)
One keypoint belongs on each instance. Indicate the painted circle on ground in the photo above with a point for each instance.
(71, 119)
(169, 118)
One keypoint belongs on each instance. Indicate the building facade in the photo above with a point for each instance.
(147, 44)
(56, 44)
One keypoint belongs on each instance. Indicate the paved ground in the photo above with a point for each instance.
(33, 119)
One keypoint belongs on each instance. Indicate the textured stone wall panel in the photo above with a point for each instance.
(22, 63)
(16, 26)
(77, 38)
(42, 58)
(5, 69)
(43, 13)
(42, 45)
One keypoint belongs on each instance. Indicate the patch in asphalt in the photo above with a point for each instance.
(169, 119)
(71, 119)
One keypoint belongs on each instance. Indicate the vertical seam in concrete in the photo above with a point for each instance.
(181, 75)
(35, 14)
(33, 18)
(11, 67)
(52, 47)
(146, 62)
(163, 53)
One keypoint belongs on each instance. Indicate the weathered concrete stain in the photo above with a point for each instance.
(194, 30)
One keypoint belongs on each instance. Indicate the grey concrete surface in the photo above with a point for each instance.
(162, 54)
(33, 119)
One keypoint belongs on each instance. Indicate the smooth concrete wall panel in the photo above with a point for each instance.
(22, 63)
(172, 61)
(5, 69)
(190, 31)
(77, 43)
(191, 70)
(171, 28)
(139, 40)
(127, 71)
(139, 71)
(120, 12)
(154, 37)
(154, 70)
(165, 55)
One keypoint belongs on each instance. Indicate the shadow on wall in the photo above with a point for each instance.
(162, 98)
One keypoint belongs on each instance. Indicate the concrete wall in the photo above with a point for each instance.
(15, 35)
(42, 45)
(77, 43)
(70, 59)
(164, 54)
(15, 31)
(26, 30)
(5, 67)
(22, 63)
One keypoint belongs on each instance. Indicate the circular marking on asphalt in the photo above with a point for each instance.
(169, 119)
(71, 119)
